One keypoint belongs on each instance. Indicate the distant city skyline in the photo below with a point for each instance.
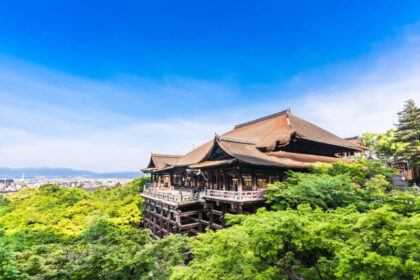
(62, 173)
(89, 184)
(98, 86)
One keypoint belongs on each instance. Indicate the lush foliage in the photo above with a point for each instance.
(66, 212)
(383, 145)
(364, 184)
(337, 221)
(56, 233)
(309, 244)
(402, 143)
(408, 132)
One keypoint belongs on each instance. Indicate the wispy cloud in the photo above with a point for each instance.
(48, 118)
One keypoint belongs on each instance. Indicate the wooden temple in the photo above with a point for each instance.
(230, 173)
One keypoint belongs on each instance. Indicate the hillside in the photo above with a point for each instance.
(57, 233)
(335, 222)
(52, 173)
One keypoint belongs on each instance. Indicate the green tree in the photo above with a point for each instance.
(365, 184)
(408, 132)
(8, 268)
(384, 145)
(59, 233)
(309, 244)
(321, 190)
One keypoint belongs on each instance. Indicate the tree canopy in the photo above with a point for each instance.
(408, 133)
(309, 244)
(58, 233)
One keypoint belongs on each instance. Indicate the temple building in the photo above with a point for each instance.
(230, 173)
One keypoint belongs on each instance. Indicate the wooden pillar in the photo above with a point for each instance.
(254, 180)
(177, 219)
(208, 184)
(168, 222)
(224, 210)
(224, 181)
(162, 233)
(240, 183)
(240, 209)
(200, 218)
(211, 216)
(154, 224)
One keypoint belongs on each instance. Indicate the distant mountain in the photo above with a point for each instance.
(52, 173)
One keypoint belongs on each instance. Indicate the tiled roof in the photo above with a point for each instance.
(246, 142)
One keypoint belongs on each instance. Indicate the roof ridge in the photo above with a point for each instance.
(287, 111)
(352, 137)
(344, 143)
(164, 155)
(236, 140)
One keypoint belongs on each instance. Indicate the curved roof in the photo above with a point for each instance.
(245, 141)
(159, 161)
(312, 132)
(196, 155)
(279, 129)
(305, 157)
(247, 152)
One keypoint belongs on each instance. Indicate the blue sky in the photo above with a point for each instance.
(100, 84)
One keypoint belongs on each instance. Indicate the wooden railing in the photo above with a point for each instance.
(154, 185)
(235, 195)
(169, 196)
(185, 196)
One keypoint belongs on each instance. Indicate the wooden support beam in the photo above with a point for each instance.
(189, 225)
(195, 231)
(200, 217)
(211, 218)
(216, 226)
(240, 209)
(201, 221)
(217, 212)
(189, 213)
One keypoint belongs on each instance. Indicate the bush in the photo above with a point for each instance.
(309, 244)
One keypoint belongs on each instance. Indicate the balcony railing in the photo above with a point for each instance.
(169, 196)
(235, 195)
(185, 195)
(155, 185)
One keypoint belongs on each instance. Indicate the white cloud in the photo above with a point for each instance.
(126, 148)
(76, 132)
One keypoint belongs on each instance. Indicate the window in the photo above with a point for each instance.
(261, 182)
(275, 179)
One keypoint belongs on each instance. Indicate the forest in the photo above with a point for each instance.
(335, 221)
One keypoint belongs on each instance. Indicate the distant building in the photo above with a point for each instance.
(404, 173)
(357, 140)
(6, 182)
